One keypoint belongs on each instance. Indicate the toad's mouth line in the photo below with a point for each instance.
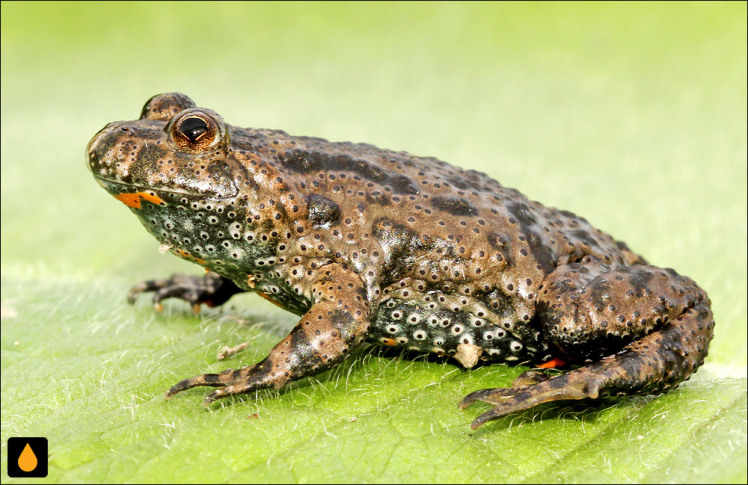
(121, 187)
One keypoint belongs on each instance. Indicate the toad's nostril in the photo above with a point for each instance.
(91, 154)
(92, 159)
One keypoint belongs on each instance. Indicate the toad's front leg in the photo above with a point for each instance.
(211, 289)
(337, 322)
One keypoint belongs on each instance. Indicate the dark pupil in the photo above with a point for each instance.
(193, 128)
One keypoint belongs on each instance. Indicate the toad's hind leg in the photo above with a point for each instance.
(645, 329)
(337, 321)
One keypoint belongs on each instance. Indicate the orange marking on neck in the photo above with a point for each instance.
(133, 200)
(389, 341)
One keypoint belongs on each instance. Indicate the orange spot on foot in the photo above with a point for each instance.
(553, 363)
(133, 200)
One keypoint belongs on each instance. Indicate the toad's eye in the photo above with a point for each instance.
(193, 128)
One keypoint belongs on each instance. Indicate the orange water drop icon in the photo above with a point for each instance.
(27, 461)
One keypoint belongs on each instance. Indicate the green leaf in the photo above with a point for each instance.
(632, 115)
(94, 387)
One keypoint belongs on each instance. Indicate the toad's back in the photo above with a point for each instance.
(452, 256)
(365, 243)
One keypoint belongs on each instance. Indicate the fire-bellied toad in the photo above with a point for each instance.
(370, 244)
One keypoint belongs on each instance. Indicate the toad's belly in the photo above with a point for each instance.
(427, 326)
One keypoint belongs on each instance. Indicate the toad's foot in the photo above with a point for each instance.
(231, 381)
(530, 389)
(216, 380)
(501, 395)
(211, 289)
